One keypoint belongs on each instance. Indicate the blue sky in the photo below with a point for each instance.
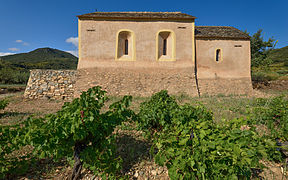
(30, 24)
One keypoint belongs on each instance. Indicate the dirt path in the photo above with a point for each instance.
(8, 95)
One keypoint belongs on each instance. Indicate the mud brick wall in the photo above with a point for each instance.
(51, 84)
(137, 81)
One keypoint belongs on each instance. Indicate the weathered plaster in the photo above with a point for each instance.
(98, 43)
(235, 61)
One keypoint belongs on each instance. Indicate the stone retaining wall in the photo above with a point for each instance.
(51, 84)
(67, 84)
(225, 86)
(137, 81)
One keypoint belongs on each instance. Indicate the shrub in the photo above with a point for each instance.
(3, 104)
(157, 113)
(11, 76)
(192, 146)
(79, 132)
(273, 113)
(11, 138)
(283, 72)
(199, 149)
(262, 77)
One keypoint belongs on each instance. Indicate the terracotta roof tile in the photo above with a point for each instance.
(219, 32)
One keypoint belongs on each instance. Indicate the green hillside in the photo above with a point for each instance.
(42, 58)
(277, 70)
(279, 55)
(14, 69)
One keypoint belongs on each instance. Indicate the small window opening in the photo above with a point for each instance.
(165, 41)
(126, 47)
(218, 55)
(165, 47)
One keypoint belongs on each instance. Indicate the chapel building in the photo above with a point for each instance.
(140, 53)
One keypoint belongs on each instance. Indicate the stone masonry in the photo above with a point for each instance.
(68, 84)
(137, 81)
(225, 86)
(51, 84)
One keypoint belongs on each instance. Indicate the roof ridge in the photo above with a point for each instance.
(218, 26)
(176, 12)
(176, 15)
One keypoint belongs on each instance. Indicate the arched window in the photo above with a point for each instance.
(165, 45)
(218, 55)
(125, 45)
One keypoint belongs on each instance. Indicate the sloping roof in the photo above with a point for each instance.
(138, 15)
(219, 32)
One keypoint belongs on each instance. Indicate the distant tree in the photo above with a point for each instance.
(260, 49)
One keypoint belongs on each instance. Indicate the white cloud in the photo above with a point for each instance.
(5, 53)
(22, 42)
(75, 53)
(73, 40)
(13, 49)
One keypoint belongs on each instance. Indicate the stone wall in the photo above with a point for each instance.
(138, 81)
(225, 86)
(51, 84)
(67, 84)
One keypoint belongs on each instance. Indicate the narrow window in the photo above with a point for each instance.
(165, 47)
(126, 47)
(218, 55)
(165, 44)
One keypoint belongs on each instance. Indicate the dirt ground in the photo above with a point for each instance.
(132, 147)
(278, 86)
(20, 108)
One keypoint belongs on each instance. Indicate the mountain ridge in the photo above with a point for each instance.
(39, 55)
(14, 69)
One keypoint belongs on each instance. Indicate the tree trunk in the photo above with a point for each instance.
(76, 172)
